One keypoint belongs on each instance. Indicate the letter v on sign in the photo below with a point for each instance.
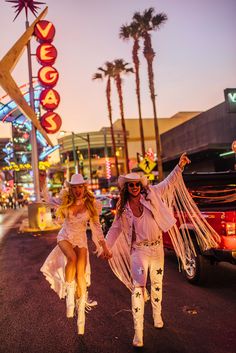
(44, 31)
(232, 97)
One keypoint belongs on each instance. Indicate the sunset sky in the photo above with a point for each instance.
(195, 56)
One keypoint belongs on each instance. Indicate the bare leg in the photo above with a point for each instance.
(70, 254)
(80, 270)
(81, 287)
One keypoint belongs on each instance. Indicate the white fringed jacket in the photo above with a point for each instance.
(162, 199)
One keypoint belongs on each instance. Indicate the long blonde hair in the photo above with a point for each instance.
(67, 200)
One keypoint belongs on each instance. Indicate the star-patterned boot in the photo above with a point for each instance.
(156, 297)
(70, 299)
(137, 301)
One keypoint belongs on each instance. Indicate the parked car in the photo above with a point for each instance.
(215, 195)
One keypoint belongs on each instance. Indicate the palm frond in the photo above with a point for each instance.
(158, 20)
(125, 32)
(97, 76)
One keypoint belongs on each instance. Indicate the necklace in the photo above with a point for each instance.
(136, 208)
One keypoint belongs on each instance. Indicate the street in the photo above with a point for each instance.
(32, 317)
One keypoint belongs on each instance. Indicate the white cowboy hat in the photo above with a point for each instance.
(76, 179)
(132, 177)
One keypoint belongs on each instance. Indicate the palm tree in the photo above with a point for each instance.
(107, 72)
(149, 22)
(127, 32)
(120, 68)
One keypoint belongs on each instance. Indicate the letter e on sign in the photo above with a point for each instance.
(46, 54)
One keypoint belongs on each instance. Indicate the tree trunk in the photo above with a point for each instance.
(108, 94)
(119, 90)
(137, 81)
(149, 55)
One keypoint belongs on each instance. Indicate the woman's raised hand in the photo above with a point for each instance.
(183, 161)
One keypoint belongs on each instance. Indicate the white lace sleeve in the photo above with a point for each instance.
(48, 199)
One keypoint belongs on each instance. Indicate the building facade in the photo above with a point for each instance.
(75, 146)
(207, 138)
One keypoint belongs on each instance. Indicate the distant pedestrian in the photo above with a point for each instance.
(67, 266)
(135, 238)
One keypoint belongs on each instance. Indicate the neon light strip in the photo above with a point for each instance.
(226, 153)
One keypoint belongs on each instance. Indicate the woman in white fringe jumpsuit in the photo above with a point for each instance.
(67, 266)
(136, 219)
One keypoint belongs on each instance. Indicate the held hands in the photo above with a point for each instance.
(183, 161)
(106, 254)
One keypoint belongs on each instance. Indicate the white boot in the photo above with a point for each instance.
(137, 302)
(156, 299)
(80, 303)
(90, 303)
(70, 299)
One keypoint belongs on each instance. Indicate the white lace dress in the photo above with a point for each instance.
(73, 230)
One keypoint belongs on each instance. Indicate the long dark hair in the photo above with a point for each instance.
(123, 199)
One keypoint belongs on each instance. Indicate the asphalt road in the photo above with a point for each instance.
(32, 317)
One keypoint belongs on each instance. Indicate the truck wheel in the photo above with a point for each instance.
(196, 267)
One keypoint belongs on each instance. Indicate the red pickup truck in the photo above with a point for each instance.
(215, 195)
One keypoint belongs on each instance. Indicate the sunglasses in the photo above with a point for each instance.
(78, 186)
(132, 185)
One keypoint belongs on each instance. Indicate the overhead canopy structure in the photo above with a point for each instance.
(10, 113)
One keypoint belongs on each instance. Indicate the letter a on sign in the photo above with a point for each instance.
(50, 99)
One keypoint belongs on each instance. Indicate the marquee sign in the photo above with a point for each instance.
(230, 99)
(27, 166)
(47, 75)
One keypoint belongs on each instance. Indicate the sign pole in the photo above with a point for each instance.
(34, 154)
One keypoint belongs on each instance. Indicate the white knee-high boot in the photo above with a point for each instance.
(156, 300)
(137, 302)
(70, 299)
(81, 313)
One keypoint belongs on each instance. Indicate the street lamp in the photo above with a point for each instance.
(87, 139)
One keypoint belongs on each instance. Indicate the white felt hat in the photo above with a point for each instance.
(131, 177)
(76, 179)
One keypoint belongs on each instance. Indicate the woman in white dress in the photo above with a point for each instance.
(67, 266)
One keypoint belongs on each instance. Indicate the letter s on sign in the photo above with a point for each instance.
(51, 122)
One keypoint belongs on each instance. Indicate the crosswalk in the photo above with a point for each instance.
(9, 220)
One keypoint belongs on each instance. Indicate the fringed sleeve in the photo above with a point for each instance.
(117, 242)
(190, 220)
